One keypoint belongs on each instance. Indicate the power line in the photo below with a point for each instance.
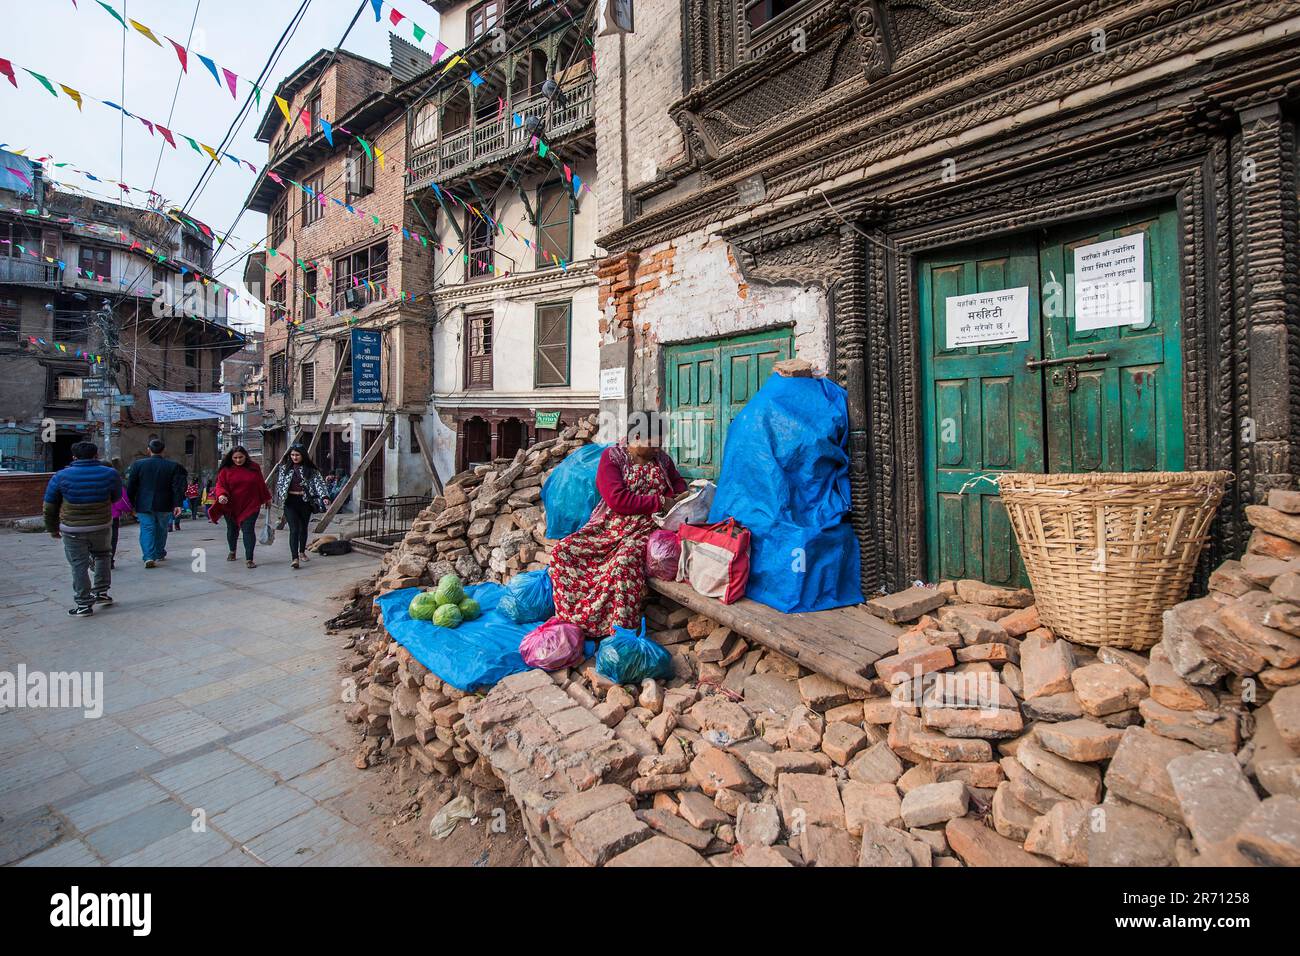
(175, 93)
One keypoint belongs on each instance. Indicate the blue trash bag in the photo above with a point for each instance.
(528, 598)
(627, 657)
(569, 493)
(785, 477)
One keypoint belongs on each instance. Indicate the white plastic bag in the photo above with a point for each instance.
(267, 533)
(693, 509)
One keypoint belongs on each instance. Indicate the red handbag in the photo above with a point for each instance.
(715, 559)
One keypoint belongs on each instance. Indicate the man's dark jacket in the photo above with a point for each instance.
(155, 484)
(80, 498)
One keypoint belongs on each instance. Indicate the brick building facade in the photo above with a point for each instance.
(833, 177)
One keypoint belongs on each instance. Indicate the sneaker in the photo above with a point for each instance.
(104, 598)
(151, 564)
(81, 611)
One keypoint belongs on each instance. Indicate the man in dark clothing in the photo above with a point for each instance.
(78, 508)
(155, 486)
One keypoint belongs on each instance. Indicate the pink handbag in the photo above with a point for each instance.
(715, 559)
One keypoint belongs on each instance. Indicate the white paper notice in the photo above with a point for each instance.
(1109, 283)
(988, 318)
(612, 383)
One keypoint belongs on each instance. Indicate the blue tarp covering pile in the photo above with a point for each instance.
(473, 656)
(785, 477)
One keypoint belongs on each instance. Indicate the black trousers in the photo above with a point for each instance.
(249, 529)
(297, 513)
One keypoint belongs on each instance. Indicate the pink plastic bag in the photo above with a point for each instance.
(663, 553)
(552, 645)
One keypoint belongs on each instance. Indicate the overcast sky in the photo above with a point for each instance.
(81, 46)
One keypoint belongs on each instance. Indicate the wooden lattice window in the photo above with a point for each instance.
(478, 350)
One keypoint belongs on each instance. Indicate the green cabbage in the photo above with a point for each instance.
(469, 609)
(447, 615)
(422, 606)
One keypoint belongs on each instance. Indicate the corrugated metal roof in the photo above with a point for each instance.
(407, 61)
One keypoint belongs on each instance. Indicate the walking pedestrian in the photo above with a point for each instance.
(192, 498)
(300, 491)
(156, 488)
(240, 493)
(78, 508)
(208, 501)
(121, 508)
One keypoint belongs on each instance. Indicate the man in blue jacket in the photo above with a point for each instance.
(78, 508)
(155, 486)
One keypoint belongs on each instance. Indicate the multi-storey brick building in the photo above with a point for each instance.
(515, 335)
(333, 271)
(88, 275)
(842, 178)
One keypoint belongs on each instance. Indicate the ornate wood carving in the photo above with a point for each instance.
(869, 29)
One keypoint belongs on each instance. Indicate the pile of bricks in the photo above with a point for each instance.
(488, 523)
(985, 740)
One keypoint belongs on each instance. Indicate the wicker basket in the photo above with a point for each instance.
(1152, 526)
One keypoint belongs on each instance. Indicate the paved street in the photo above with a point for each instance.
(221, 694)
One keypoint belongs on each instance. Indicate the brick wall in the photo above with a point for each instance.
(637, 104)
(21, 494)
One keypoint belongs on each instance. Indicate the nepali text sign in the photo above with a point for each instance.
(366, 347)
(188, 406)
(988, 318)
(546, 419)
(1109, 286)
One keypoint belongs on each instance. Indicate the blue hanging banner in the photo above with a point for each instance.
(365, 366)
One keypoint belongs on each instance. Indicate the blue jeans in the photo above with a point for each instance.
(154, 526)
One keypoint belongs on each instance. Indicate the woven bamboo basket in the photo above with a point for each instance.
(1109, 553)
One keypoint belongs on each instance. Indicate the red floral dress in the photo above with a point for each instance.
(598, 572)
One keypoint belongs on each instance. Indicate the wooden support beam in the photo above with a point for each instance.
(426, 454)
(316, 435)
(366, 459)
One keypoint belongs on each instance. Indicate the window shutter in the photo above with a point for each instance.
(552, 358)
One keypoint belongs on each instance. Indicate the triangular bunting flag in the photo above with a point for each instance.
(306, 120)
(231, 80)
(366, 147)
(182, 54)
(379, 155)
(7, 69)
(281, 102)
(167, 135)
(145, 31)
(116, 16)
(212, 67)
(45, 83)
(418, 32)
(72, 94)
(379, 8)
(396, 16)
(439, 49)
(328, 130)
(211, 152)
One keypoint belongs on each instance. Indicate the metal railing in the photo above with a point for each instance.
(385, 521)
(499, 137)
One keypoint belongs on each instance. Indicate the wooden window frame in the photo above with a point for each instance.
(491, 11)
(309, 289)
(279, 293)
(475, 362)
(538, 347)
(558, 192)
(307, 382)
(94, 253)
(312, 210)
(375, 270)
(360, 174)
(278, 373)
(480, 246)
(280, 222)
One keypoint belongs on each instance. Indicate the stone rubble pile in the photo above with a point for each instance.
(487, 525)
(984, 741)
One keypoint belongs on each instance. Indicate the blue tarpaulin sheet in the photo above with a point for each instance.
(785, 477)
(473, 656)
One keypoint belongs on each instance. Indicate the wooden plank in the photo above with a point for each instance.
(839, 643)
(342, 494)
(427, 455)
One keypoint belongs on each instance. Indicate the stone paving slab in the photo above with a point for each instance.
(221, 695)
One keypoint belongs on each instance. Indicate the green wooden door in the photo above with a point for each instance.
(1124, 412)
(708, 384)
(989, 409)
(982, 416)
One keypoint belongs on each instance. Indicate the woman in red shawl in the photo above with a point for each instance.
(239, 494)
(598, 572)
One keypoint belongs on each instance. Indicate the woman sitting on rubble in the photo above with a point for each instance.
(598, 572)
